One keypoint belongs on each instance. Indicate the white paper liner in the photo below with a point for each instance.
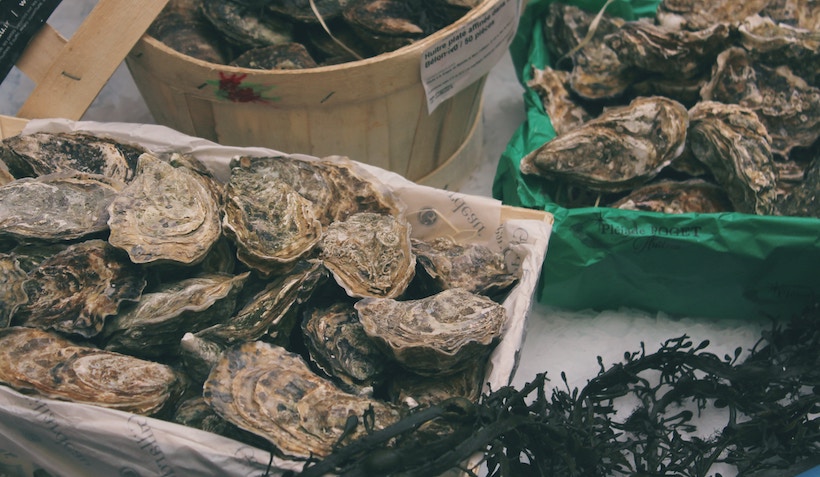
(69, 439)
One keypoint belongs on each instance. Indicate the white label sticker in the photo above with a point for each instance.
(469, 53)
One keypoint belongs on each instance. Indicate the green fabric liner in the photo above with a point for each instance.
(726, 265)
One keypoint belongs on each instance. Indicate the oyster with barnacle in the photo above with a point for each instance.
(77, 289)
(60, 206)
(440, 334)
(168, 213)
(619, 149)
(369, 254)
(272, 392)
(677, 197)
(153, 327)
(787, 106)
(41, 153)
(43, 362)
(340, 348)
(731, 141)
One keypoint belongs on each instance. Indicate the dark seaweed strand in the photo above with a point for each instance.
(770, 400)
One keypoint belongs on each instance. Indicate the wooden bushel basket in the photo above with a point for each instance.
(372, 110)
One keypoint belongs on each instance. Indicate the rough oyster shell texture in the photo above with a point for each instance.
(761, 55)
(437, 335)
(167, 213)
(273, 393)
(55, 367)
(370, 254)
(621, 147)
(12, 294)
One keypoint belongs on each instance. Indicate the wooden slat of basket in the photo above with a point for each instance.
(70, 74)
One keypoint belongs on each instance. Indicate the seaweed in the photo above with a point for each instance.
(770, 402)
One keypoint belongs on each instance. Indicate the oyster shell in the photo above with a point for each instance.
(622, 147)
(788, 107)
(57, 207)
(668, 52)
(437, 335)
(282, 56)
(471, 266)
(75, 290)
(369, 254)
(246, 27)
(54, 367)
(802, 201)
(272, 392)
(182, 27)
(731, 141)
(424, 391)
(341, 349)
(272, 225)
(12, 294)
(43, 153)
(5, 175)
(271, 311)
(302, 12)
(774, 44)
(799, 13)
(700, 14)
(385, 25)
(677, 197)
(154, 326)
(553, 87)
(198, 356)
(166, 214)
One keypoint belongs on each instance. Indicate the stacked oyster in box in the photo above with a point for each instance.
(271, 299)
(706, 107)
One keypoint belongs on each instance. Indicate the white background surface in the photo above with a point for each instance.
(557, 340)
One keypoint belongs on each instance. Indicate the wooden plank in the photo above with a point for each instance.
(89, 58)
(41, 53)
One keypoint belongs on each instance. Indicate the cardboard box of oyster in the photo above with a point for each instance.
(677, 146)
(179, 280)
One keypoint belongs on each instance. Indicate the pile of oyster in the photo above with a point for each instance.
(272, 308)
(295, 34)
(707, 107)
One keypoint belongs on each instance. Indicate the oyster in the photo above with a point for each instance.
(424, 391)
(341, 349)
(57, 207)
(302, 12)
(12, 294)
(386, 25)
(700, 14)
(271, 224)
(677, 197)
(166, 214)
(182, 27)
(272, 311)
(471, 266)
(622, 147)
(5, 175)
(732, 142)
(668, 52)
(198, 356)
(272, 392)
(437, 335)
(282, 56)
(44, 153)
(799, 13)
(802, 201)
(154, 326)
(246, 27)
(75, 290)
(55, 367)
(369, 254)
(775, 44)
(553, 87)
(787, 106)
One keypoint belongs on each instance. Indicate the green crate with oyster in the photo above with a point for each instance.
(677, 147)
